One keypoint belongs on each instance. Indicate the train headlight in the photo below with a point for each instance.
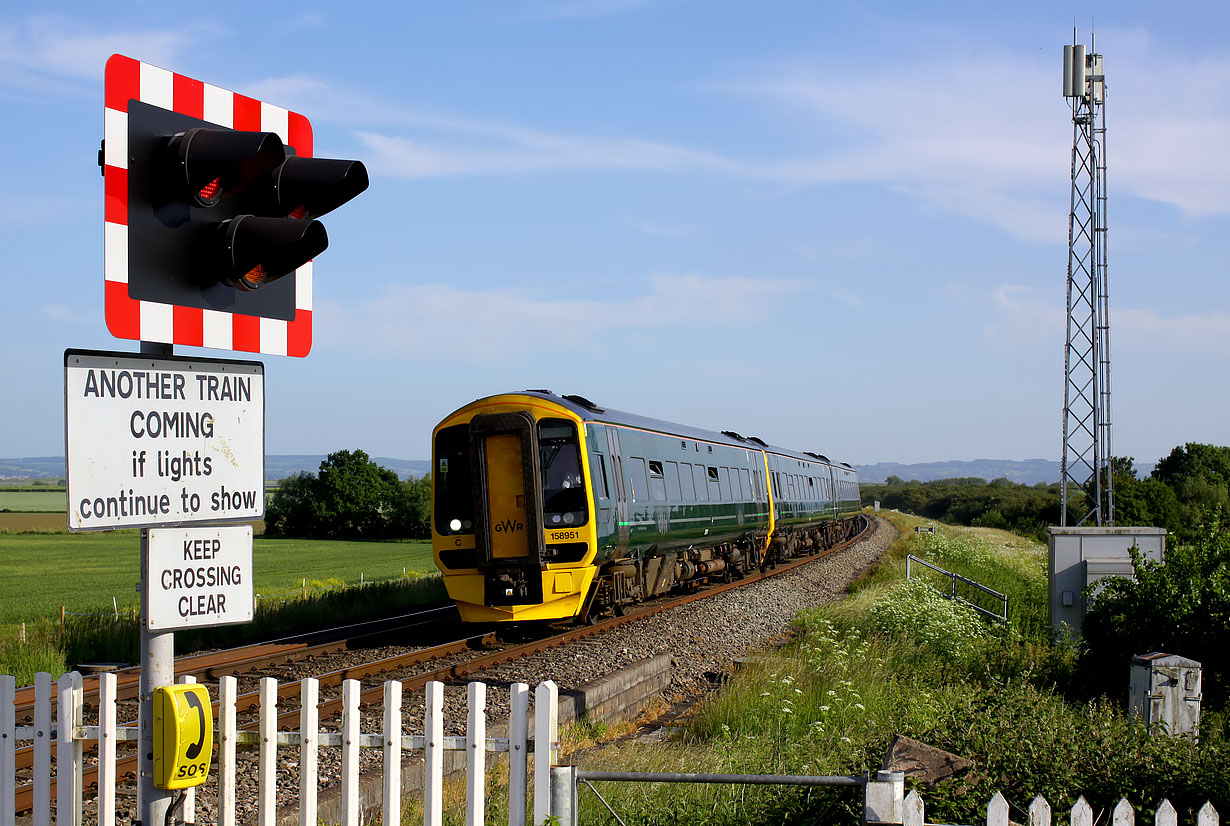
(455, 525)
(569, 519)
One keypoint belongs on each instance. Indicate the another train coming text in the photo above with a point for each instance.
(549, 507)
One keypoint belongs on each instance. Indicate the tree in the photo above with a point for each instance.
(1179, 607)
(412, 510)
(351, 497)
(355, 496)
(291, 510)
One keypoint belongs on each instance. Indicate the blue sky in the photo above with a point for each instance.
(839, 226)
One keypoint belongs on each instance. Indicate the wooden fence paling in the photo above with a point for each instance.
(267, 761)
(106, 749)
(42, 749)
(518, 754)
(350, 752)
(69, 750)
(546, 733)
(392, 753)
(309, 727)
(228, 690)
(476, 753)
(1082, 814)
(8, 750)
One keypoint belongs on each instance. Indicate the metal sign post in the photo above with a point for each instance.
(157, 670)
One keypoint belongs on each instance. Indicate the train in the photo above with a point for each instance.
(549, 508)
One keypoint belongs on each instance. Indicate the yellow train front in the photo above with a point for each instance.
(511, 526)
(549, 507)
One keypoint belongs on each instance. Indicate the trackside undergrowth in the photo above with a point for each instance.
(898, 658)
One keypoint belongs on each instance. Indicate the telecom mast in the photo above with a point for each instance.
(1088, 486)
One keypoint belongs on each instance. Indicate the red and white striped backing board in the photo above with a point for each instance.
(128, 79)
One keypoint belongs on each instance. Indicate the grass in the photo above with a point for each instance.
(299, 584)
(84, 571)
(32, 501)
(895, 659)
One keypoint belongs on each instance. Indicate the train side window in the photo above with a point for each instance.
(636, 478)
(685, 481)
(777, 485)
(672, 482)
(744, 487)
(657, 482)
(715, 492)
(702, 490)
(724, 476)
(603, 489)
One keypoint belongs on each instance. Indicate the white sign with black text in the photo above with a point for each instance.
(199, 577)
(163, 440)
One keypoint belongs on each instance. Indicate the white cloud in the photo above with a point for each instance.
(63, 312)
(1025, 316)
(440, 322)
(55, 54)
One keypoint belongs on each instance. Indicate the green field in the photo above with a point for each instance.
(31, 501)
(84, 571)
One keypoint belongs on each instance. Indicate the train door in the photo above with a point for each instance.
(508, 539)
(622, 521)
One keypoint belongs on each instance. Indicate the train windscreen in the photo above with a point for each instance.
(563, 486)
(454, 501)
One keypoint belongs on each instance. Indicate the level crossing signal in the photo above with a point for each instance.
(212, 207)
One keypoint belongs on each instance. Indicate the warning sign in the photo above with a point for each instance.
(199, 577)
(163, 440)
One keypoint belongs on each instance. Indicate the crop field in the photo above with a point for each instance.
(39, 572)
(31, 501)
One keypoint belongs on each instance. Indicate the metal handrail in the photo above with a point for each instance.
(953, 592)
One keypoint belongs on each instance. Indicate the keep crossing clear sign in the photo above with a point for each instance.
(163, 440)
(199, 577)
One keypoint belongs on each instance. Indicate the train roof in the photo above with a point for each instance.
(588, 411)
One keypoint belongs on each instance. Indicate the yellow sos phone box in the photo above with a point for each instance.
(183, 736)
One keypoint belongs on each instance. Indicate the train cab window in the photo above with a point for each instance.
(687, 487)
(702, 489)
(724, 478)
(715, 492)
(672, 482)
(657, 482)
(637, 479)
(564, 500)
(454, 504)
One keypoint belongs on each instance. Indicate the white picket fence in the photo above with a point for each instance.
(70, 737)
(1039, 813)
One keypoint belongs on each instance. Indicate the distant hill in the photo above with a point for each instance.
(276, 466)
(1025, 472)
(280, 466)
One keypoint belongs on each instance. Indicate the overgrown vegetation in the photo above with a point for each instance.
(1180, 607)
(893, 660)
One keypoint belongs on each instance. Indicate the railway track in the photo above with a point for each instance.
(480, 653)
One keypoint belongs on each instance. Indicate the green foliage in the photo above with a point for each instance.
(1179, 607)
(1025, 509)
(352, 497)
(914, 610)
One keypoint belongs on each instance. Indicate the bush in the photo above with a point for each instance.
(1179, 607)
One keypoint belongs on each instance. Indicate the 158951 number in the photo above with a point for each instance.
(558, 536)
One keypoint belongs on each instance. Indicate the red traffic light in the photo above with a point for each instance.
(257, 250)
